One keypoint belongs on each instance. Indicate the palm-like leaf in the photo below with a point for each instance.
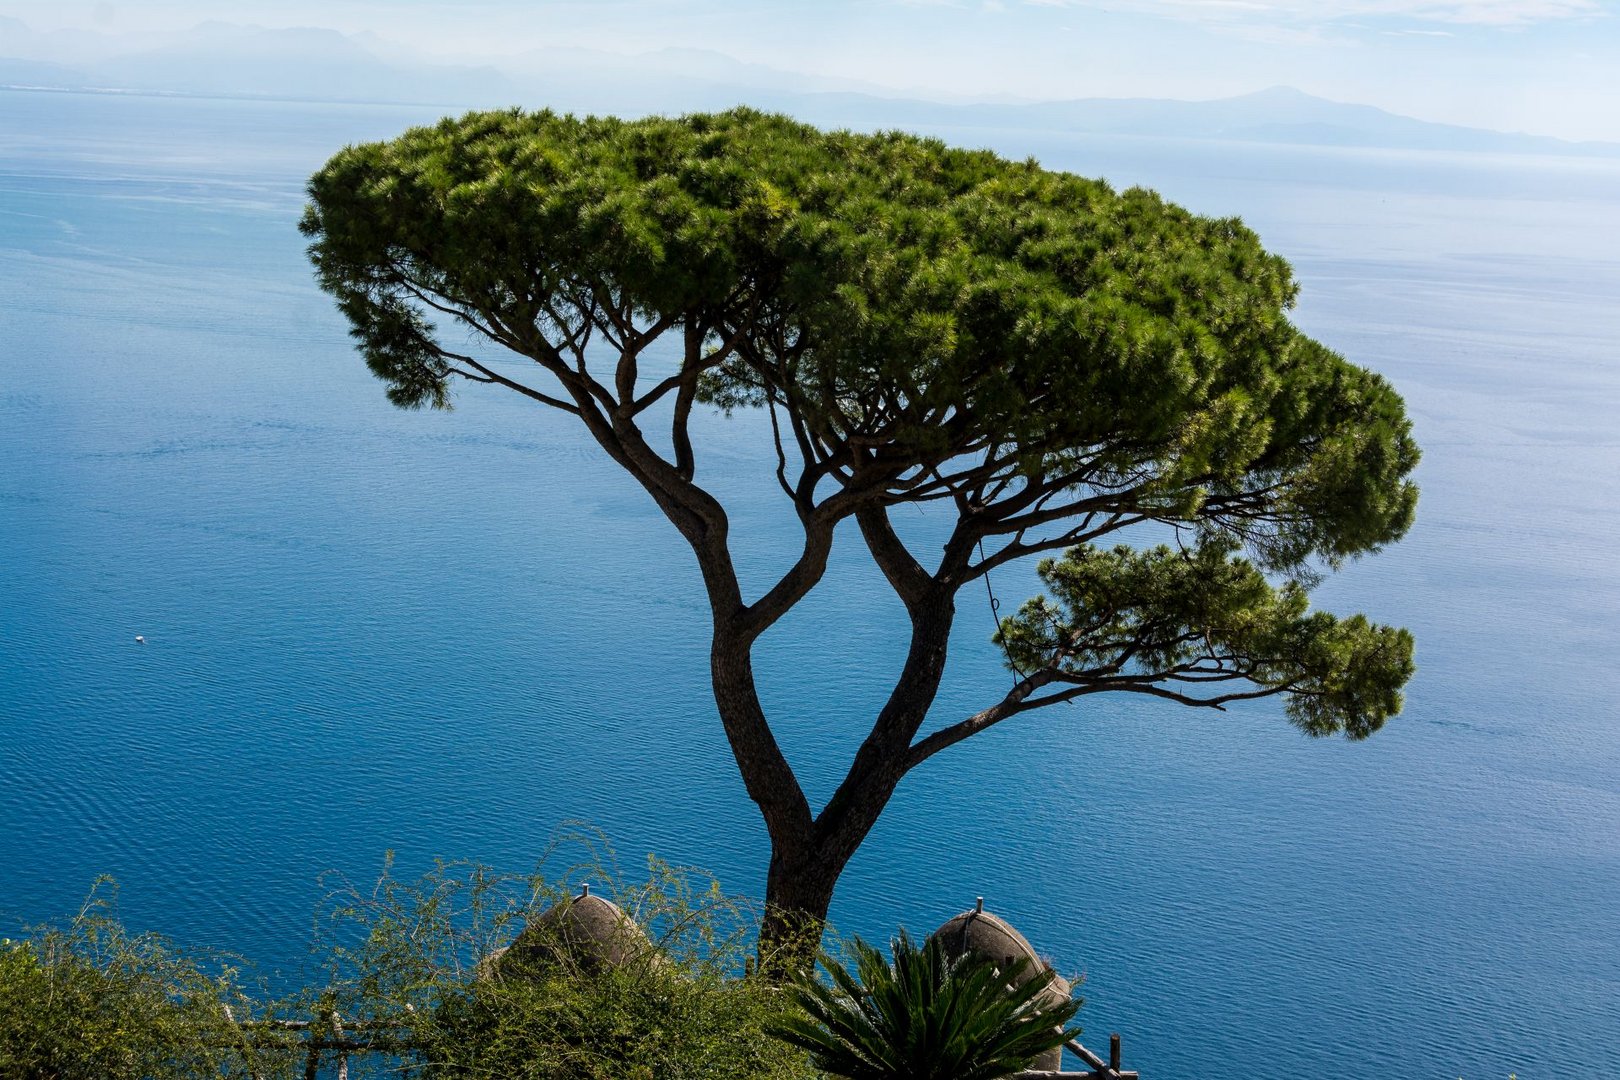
(924, 1016)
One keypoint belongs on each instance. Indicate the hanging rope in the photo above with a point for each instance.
(995, 615)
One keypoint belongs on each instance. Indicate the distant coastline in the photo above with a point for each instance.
(318, 65)
(208, 95)
(1280, 116)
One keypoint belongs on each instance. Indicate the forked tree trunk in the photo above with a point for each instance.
(798, 893)
(803, 875)
(809, 853)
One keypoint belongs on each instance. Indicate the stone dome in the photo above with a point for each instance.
(980, 933)
(587, 933)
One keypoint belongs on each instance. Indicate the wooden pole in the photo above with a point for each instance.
(1092, 1060)
(343, 1055)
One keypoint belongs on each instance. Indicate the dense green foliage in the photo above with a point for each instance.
(1202, 619)
(924, 1016)
(403, 970)
(934, 322)
(92, 1002)
(897, 294)
(418, 953)
(424, 973)
(642, 1023)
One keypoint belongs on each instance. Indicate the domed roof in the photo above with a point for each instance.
(980, 933)
(586, 932)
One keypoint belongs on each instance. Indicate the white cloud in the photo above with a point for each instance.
(1292, 36)
(1501, 13)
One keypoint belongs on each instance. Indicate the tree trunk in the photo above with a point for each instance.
(807, 856)
(798, 891)
(803, 873)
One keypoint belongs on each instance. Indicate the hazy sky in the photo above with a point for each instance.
(1544, 66)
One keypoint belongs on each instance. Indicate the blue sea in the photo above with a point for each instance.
(444, 634)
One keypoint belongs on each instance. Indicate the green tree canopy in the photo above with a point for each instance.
(1051, 361)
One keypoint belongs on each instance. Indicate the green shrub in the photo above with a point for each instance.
(93, 1002)
(418, 953)
(407, 967)
(655, 1023)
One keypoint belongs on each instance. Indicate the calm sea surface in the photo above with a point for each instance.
(444, 634)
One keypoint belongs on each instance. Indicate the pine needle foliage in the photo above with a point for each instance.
(924, 1016)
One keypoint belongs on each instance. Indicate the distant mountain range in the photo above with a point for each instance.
(222, 59)
(1280, 114)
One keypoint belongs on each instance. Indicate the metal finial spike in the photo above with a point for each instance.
(978, 905)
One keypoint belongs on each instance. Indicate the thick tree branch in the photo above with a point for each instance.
(1084, 533)
(1019, 701)
(680, 421)
(1010, 705)
(880, 762)
(904, 573)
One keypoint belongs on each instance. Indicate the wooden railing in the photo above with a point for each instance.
(334, 1038)
(1099, 1069)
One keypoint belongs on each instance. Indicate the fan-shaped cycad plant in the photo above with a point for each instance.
(924, 1016)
